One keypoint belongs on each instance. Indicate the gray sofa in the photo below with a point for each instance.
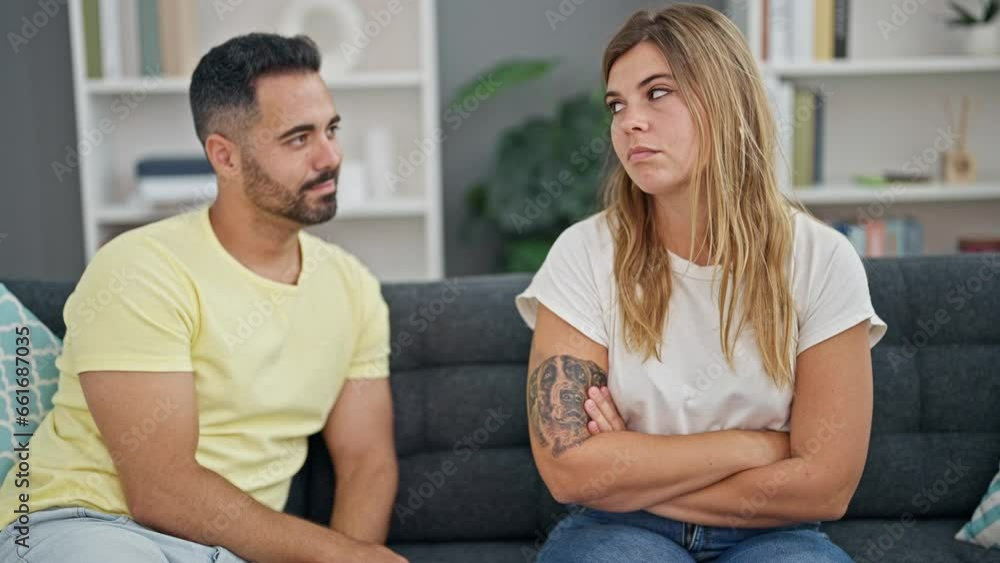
(469, 490)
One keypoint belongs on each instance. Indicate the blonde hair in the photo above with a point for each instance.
(749, 225)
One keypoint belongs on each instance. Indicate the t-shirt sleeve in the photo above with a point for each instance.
(838, 299)
(566, 284)
(371, 351)
(132, 310)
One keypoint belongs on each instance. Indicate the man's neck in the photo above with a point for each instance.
(265, 244)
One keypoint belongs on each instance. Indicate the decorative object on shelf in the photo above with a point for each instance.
(891, 177)
(380, 154)
(546, 172)
(352, 185)
(958, 166)
(982, 30)
(331, 24)
(175, 180)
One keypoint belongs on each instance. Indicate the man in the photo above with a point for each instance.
(186, 399)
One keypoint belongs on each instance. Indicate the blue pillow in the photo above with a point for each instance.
(42, 374)
(984, 527)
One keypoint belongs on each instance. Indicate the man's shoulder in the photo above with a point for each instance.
(165, 234)
(327, 258)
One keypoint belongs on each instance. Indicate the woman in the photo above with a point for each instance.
(673, 329)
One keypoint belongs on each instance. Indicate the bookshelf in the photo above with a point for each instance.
(884, 110)
(394, 86)
(172, 85)
(827, 195)
(883, 67)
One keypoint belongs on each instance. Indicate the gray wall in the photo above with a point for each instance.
(39, 215)
(473, 36)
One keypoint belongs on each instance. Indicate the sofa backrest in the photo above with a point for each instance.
(936, 428)
(459, 352)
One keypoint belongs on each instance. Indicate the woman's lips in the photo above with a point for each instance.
(642, 155)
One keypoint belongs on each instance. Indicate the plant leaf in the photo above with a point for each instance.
(964, 17)
(475, 199)
(991, 10)
(503, 76)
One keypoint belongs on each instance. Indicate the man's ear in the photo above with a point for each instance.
(224, 155)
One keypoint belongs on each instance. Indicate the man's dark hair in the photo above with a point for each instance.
(223, 87)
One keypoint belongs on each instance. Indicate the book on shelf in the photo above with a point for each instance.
(808, 132)
(841, 21)
(979, 244)
(92, 37)
(149, 37)
(111, 39)
(170, 181)
(884, 237)
(132, 38)
(794, 30)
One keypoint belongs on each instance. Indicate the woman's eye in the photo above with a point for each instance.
(615, 107)
(658, 93)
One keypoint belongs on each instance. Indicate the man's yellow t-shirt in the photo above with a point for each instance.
(268, 358)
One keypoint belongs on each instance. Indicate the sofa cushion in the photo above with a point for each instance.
(465, 552)
(896, 540)
(466, 470)
(28, 352)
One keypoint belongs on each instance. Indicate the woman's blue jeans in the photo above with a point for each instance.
(640, 537)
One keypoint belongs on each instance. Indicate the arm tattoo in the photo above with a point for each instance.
(557, 389)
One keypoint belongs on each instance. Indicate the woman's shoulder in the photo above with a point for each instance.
(814, 241)
(819, 253)
(591, 236)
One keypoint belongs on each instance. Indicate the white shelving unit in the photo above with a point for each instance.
(394, 85)
(827, 195)
(135, 212)
(885, 110)
(883, 67)
(174, 85)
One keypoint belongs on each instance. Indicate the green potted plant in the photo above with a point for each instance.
(981, 26)
(545, 175)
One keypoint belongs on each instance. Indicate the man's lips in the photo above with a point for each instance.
(327, 187)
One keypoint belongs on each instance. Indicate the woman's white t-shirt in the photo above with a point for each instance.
(693, 389)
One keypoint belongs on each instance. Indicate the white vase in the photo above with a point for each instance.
(380, 156)
(983, 39)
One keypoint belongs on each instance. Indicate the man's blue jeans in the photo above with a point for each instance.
(639, 537)
(82, 535)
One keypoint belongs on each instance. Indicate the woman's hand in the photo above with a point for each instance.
(603, 413)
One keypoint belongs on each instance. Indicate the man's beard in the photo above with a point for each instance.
(271, 196)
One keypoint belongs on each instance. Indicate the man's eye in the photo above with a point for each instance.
(333, 130)
(298, 140)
